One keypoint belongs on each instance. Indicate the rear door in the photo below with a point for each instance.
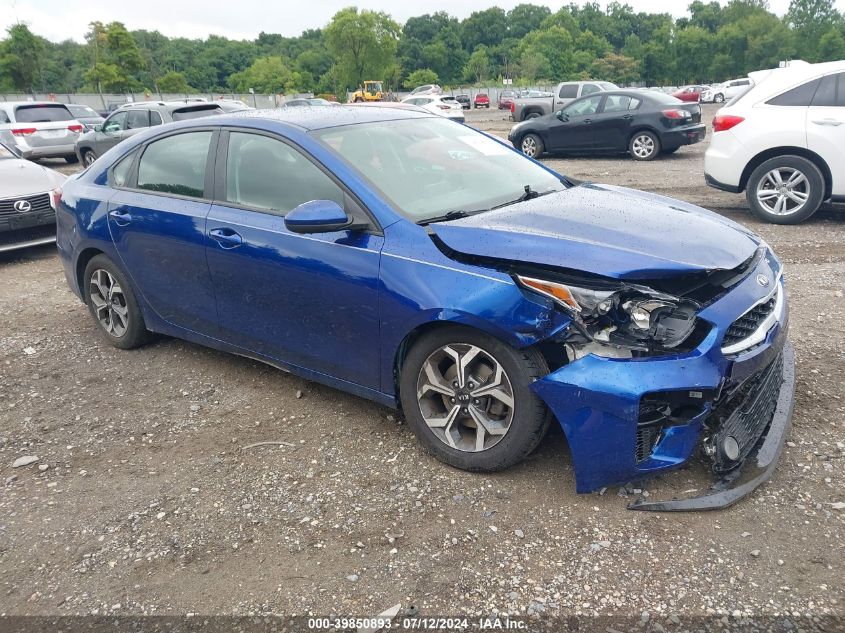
(46, 125)
(576, 132)
(612, 125)
(157, 222)
(826, 127)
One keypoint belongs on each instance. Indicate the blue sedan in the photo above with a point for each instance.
(416, 262)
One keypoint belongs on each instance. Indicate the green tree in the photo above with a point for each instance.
(694, 53)
(21, 58)
(487, 28)
(266, 75)
(811, 19)
(420, 78)
(555, 44)
(618, 69)
(175, 82)
(477, 68)
(363, 44)
(524, 18)
(831, 46)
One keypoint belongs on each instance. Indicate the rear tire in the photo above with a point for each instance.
(532, 115)
(644, 145)
(785, 190)
(112, 303)
(495, 374)
(531, 145)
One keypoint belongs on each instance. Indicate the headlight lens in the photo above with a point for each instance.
(630, 316)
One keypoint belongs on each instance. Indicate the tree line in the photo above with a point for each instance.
(529, 44)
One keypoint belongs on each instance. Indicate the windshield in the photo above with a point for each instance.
(428, 167)
(81, 110)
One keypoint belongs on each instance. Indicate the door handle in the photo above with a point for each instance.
(227, 238)
(627, 117)
(828, 122)
(121, 217)
(588, 121)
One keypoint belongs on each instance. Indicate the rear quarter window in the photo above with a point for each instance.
(46, 113)
(569, 91)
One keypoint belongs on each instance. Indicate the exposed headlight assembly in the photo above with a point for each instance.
(631, 316)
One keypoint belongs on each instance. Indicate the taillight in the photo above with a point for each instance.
(676, 113)
(724, 122)
(75, 128)
(444, 107)
(55, 198)
(23, 131)
(513, 107)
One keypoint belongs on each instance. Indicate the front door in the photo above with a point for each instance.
(157, 222)
(575, 132)
(612, 126)
(826, 127)
(307, 300)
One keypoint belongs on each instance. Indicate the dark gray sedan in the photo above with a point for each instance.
(134, 118)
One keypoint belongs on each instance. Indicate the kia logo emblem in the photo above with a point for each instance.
(763, 280)
(22, 206)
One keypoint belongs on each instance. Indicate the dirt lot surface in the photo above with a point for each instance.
(145, 499)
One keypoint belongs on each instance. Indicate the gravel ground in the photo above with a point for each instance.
(146, 497)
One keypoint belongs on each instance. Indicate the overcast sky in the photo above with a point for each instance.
(61, 19)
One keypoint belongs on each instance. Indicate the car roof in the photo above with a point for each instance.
(14, 104)
(319, 117)
(775, 79)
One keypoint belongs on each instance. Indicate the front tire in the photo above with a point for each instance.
(644, 146)
(113, 305)
(785, 190)
(531, 145)
(467, 396)
(719, 98)
(88, 157)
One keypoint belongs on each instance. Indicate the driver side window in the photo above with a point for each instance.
(115, 123)
(584, 106)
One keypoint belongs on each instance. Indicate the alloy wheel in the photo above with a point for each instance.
(465, 397)
(643, 146)
(529, 146)
(88, 159)
(109, 303)
(783, 191)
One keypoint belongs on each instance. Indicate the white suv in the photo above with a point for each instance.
(724, 91)
(783, 142)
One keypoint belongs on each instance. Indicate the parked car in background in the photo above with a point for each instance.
(530, 108)
(136, 117)
(505, 100)
(464, 100)
(689, 94)
(428, 267)
(39, 129)
(86, 115)
(307, 101)
(482, 100)
(442, 105)
(644, 124)
(231, 105)
(783, 142)
(724, 91)
(27, 216)
(427, 89)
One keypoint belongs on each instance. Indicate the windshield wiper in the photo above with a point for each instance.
(529, 194)
(456, 214)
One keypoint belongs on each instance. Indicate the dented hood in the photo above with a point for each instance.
(605, 230)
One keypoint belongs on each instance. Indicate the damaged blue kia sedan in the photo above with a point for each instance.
(426, 266)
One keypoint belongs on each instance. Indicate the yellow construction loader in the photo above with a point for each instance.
(372, 91)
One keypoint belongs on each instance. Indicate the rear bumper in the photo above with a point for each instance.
(687, 135)
(710, 180)
(599, 402)
(48, 151)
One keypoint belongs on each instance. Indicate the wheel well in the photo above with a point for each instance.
(81, 262)
(642, 128)
(814, 158)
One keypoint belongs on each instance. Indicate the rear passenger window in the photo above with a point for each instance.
(176, 164)
(4, 118)
(569, 91)
(138, 119)
(617, 103)
(635, 103)
(267, 174)
(828, 94)
(800, 96)
(155, 118)
(589, 89)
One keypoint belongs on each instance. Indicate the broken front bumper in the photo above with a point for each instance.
(601, 403)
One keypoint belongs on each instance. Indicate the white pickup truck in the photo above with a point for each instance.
(533, 107)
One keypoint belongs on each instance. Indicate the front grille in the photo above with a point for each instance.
(39, 203)
(647, 437)
(745, 415)
(748, 323)
(8, 238)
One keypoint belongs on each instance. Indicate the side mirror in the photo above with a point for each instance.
(317, 216)
(98, 127)
(563, 116)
